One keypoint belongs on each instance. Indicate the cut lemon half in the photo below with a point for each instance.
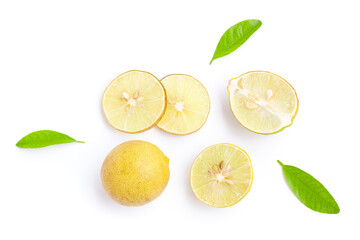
(188, 105)
(221, 175)
(134, 101)
(262, 101)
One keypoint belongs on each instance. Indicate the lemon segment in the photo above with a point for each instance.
(262, 101)
(134, 101)
(221, 175)
(188, 105)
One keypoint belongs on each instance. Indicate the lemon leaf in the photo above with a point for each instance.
(44, 138)
(309, 190)
(235, 36)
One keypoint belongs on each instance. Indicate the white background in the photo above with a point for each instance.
(57, 57)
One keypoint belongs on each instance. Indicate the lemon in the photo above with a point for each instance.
(134, 101)
(188, 105)
(221, 175)
(135, 173)
(262, 101)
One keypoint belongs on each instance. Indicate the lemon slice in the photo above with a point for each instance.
(134, 101)
(262, 101)
(221, 175)
(188, 105)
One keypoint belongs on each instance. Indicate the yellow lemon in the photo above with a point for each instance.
(262, 101)
(188, 105)
(221, 175)
(135, 173)
(134, 101)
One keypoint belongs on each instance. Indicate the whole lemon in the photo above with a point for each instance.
(135, 173)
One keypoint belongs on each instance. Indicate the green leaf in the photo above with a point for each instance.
(309, 190)
(44, 138)
(235, 36)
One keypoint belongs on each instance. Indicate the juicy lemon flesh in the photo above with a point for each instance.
(262, 102)
(134, 101)
(188, 105)
(221, 175)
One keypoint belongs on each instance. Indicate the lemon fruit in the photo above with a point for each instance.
(188, 105)
(134, 101)
(262, 101)
(221, 175)
(135, 173)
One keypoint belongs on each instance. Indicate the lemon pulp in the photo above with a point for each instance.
(188, 104)
(221, 175)
(134, 101)
(262, 101)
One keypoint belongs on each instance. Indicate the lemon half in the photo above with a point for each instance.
(188, 105)
(134, 101)
(262, 101)
(221, 175)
